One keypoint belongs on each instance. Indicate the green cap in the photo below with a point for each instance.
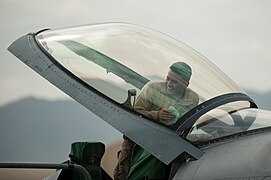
(182, 69)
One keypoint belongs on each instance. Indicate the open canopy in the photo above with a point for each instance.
(124, 56)
(116, 58)
(103, 65)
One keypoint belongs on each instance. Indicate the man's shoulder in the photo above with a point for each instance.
(192, 95)
(190, 91)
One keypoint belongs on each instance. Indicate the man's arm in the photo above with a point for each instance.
(143, 102)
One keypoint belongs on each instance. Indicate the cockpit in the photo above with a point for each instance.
(117, 60)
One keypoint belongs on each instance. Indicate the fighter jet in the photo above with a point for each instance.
(105, 67)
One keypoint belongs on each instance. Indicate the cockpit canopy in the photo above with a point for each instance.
(118, 60)
(113, 58)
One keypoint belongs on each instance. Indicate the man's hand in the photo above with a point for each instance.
(165, 115)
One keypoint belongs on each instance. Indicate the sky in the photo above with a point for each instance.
(235, 35)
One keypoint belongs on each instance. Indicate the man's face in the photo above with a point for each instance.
(175, 84)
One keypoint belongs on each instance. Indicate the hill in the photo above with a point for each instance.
(263, 100)
(36, 130)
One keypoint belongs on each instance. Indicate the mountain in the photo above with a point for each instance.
(36, 130)
(263, 100)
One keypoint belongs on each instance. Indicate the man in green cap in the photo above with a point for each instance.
(157, 99)
(163, 101)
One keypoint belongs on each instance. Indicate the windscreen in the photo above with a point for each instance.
(222, 122)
